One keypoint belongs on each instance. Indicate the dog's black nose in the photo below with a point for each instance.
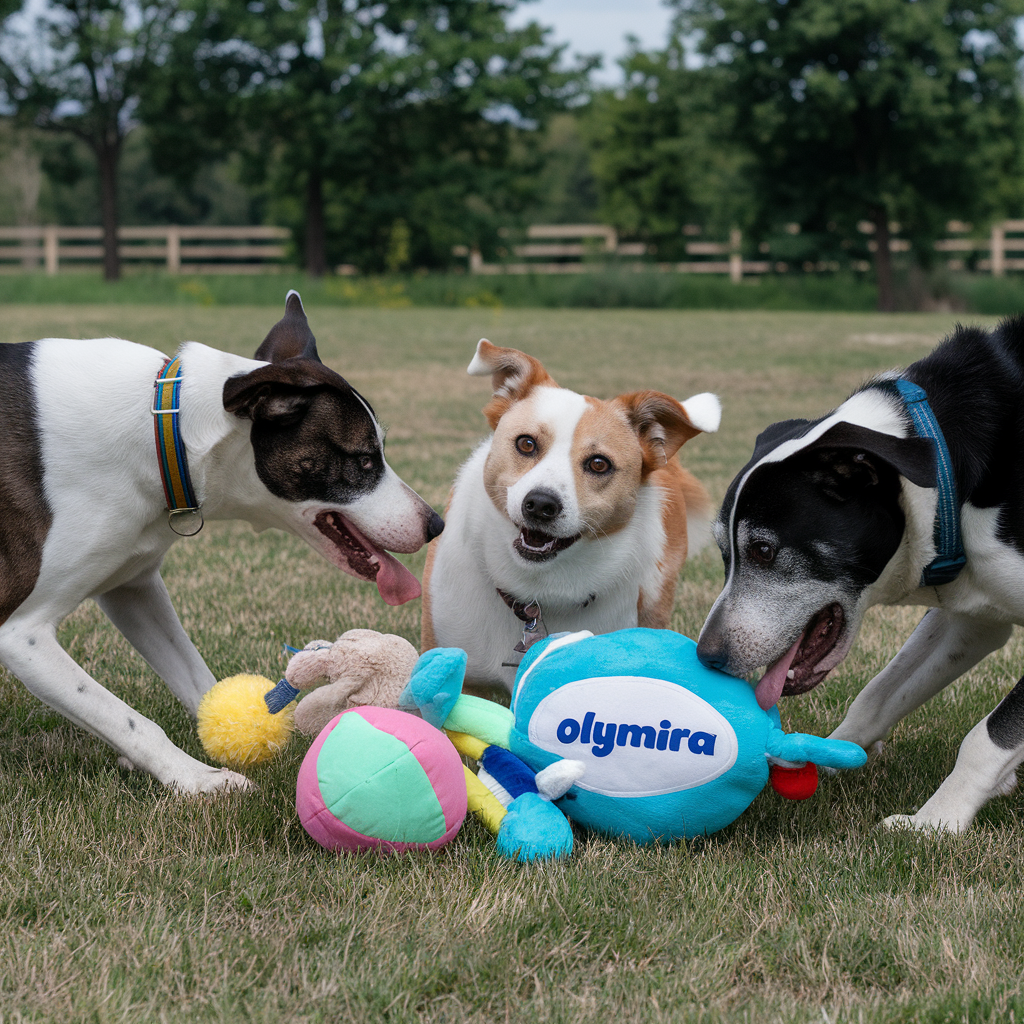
(435, 524)
(711, 655)
(542, 506)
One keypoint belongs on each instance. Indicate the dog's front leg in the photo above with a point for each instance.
(29, 649)
(985, 768)
(942, 648)
(142, 611)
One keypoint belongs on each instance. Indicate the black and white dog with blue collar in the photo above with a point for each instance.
(101, 471)
(912, 493)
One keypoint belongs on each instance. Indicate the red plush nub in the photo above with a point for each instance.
(794, 783)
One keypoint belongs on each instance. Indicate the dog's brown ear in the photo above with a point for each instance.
(513, 374)
(277, 392)
(664, 425)
(290, 337)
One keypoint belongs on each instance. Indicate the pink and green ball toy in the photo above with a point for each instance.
(377, 779)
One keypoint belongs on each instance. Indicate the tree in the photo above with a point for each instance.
(80, 71)
(873, 110)
(365, 108)
(661, 154)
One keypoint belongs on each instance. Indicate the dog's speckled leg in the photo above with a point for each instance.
(983, 771)
(30, 650)
(942, 648)
(143, 612)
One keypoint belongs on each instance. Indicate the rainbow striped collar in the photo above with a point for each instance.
(184, 512)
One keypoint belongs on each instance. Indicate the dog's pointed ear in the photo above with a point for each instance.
(911, 457)
(664, 425)
(775, 433)
(513, 374)
(280, 393)
(290, 337)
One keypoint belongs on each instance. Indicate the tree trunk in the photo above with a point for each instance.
(316, 235)
(108, 155)
(883, 260)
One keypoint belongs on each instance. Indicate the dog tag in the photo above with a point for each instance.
(533, 630)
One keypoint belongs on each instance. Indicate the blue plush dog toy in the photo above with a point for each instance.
(626, 733)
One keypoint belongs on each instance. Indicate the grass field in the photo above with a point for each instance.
(121, 902)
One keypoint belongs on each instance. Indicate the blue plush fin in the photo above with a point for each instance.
(534, 829)
(436, 684)
(801, 746)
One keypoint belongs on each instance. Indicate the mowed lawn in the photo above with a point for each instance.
(122, 902)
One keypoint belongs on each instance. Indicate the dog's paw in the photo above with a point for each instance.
(126, 764)
(213, 781)
(876, 749)
(916, 823)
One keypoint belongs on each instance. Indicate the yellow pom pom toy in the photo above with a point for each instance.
(245, 719)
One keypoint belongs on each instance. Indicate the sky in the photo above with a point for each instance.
(600, 26)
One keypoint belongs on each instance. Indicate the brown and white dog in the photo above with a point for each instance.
(575, 505)
(279, 440)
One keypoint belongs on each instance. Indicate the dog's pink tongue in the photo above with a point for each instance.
(395, 583)
(769, 689)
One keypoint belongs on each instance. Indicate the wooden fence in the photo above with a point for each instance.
(580, 248)
(549, 249)
(234, 250)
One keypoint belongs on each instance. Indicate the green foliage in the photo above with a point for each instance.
(661, 153)
(869, 109)
(607, 290)
(81, 68)
(564, 190)
(360, 115)
(81, 72)
(69, 189)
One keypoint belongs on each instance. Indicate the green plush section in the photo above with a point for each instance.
(484, 719)
(373, 783)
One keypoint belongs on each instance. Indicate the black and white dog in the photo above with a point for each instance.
(279, 440)
(885, 502)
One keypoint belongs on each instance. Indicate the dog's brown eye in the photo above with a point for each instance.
(366, 462)
(526, 444)
(598, 464)
(763, 554)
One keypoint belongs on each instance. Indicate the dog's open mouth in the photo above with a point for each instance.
(537, 546)
(351, 551)
(798, 670)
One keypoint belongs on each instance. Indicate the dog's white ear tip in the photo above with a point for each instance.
(477, 367)
(704, 411)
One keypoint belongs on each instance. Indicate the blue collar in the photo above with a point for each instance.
(949, 548)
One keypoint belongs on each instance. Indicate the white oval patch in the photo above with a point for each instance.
(637, 736)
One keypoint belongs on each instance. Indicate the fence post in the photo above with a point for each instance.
(735, 256)
(998, 250)
(173, 250)
(50, 249)
(476, 261)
